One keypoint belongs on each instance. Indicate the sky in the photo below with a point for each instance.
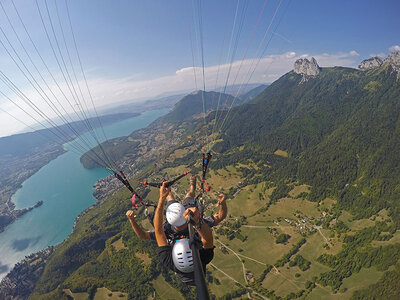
(132, 50)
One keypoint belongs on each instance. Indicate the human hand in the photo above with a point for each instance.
(195, 216)
(220, 198)
(130, 214)
(164, 191)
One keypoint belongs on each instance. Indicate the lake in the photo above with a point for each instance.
(66, 189)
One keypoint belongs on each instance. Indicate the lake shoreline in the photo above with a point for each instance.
(95, 196)
(9, 212)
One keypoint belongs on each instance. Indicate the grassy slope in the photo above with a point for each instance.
(340, 131)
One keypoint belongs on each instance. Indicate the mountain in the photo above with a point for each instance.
(251, 94)
(341, 126)
(27, 144)
(240, 89)
(314, 158)
(194, 104)
(141, 106)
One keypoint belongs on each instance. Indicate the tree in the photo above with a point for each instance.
(282, 238)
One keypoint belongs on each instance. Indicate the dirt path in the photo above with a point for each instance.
(243, 267)
(254, 226)
(244, 270)
(255, 260)
(265, 227)
(326, 240)
(234, 280)
(288, 279)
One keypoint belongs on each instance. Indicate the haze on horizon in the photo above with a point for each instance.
(135, 50)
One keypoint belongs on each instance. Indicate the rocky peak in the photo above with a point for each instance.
(393, 60)
(370, 63)
(306, 68)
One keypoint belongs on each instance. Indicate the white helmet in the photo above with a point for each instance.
(174, 214)
(182, 256)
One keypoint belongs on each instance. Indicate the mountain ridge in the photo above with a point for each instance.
(334, 109)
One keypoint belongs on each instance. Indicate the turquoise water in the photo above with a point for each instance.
(66, 189)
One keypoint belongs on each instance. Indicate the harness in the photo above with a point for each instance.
(137, 200)
(203, 186)
(206, 160)
(121, 177)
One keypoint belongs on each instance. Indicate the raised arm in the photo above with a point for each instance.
(158, 217)
(206, 236)
(223, 209)
(202, 228)
(136, 228)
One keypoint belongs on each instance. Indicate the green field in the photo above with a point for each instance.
(118, 245)
(144, 257)
(261, 249)
(164, 291)
(287, 207)
(298, 189)
(247, 201)
(281, 153)
(226, 285)
(355, 225)
(361, 279)
(229, 264)
(393, 240)
(101, 294)
(76, 296)
(223, 180)
(260, 244)
(105, 294)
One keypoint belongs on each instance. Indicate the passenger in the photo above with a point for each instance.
(176, 226)
(178, 255)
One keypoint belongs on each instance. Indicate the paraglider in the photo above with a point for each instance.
(186, 236)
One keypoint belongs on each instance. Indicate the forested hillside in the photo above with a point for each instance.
(194, 104)
(342, 129)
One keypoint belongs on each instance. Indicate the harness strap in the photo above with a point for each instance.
(206, 160)
(170, 183)
(135, 196)
(203, 185)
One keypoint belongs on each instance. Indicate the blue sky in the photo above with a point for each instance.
(154, 35)
(140, 49)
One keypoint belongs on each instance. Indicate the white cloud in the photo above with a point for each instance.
(107, 91)
(381, 55)
(291, 54)
(394, 48)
